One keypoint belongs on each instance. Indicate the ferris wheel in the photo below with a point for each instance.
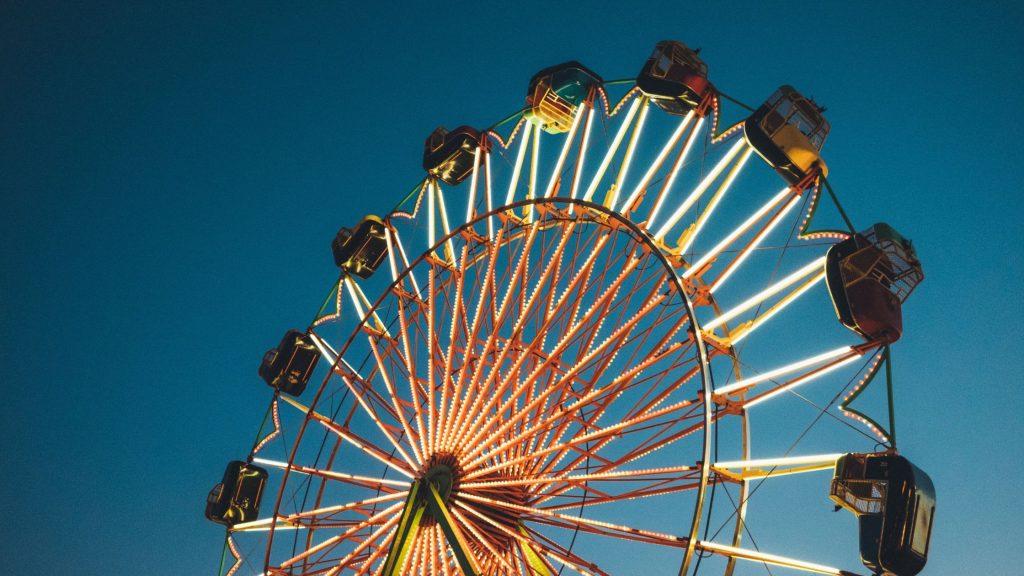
(552, 355)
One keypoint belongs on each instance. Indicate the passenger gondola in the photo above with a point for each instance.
(869, 276)
(236, 498)
(894, 502)
(676, 79)
(555, 93)
(788, 131)
(361, 250)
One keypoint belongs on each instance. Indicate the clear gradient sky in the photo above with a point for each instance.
(171, 175)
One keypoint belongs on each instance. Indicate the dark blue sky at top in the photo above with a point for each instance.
(171, 176)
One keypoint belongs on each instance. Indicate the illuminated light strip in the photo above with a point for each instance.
(668, 538)
(471, 206)
(246, 528)
(798, 382)
(582, 155)
(523, 540)
(753, 380)
(236, 554)
(338, 297)
(580, 111)
(674, 173)
(564, 342)
(518, 169)
(547, 423)
(747, 251)
(322, 346)
(345, 535)
(348, 366)
(465, 408)
(490, 201)
(749, 327)
(611, 151)
(276, 416)
(393, 395)
(475, 326)
(692, 233)
(405, 261)
(736, 233)
(362, 314)
(457, 316)
(622, 101)
(419, 202)
(363, 448)
(261, 523)
(431, 421)
(728, 131)
(576, 440)
(373, 416)
(628, 158)
(389, 527)
(355, 299)
(330, 473)
(330, 425)
(374, 556)
(391, 253)
(481, 539)
(765, 294)
(581, 274)
(444, 224)
(843, 406)
(430, 214)
(531, 192)
(570, 479)
(657, 161)
(784, 461)
(700, 189)
(755, 556)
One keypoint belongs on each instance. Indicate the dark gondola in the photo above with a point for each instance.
(894, 502)
(361, 250)
(448, 156)
(237, 498)
(289, 366)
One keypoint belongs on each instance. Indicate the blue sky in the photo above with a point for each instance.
(172, 174)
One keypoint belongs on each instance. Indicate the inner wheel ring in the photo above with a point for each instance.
(539, 373)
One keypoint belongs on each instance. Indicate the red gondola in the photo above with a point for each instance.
(870, 275)
(676, 79)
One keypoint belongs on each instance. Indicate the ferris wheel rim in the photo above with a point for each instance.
(636, 234)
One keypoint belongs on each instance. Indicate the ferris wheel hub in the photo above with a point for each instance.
(444, 472)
